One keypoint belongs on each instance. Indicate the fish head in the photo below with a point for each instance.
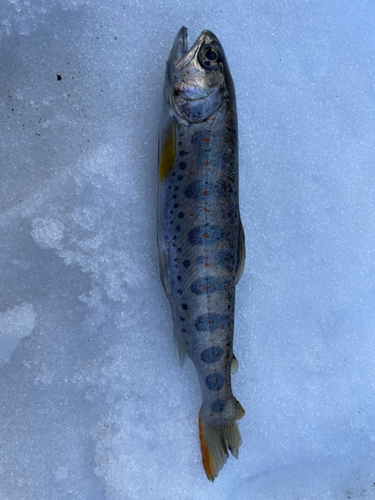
(198, 81)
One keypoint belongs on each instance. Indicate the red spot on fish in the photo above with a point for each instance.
(207, 139)
(212, 119)
(207, 264)
(220, 175)
(191, 173)
(205, 288)
(206, 209)
(206, 235)
(206, 162)
(206, 192)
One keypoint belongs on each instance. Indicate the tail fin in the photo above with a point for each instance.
(216, 440)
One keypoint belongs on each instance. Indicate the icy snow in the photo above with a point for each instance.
(93, 405)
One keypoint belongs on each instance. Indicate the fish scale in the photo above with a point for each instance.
(200, 235)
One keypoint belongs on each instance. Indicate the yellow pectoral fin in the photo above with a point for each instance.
(167, 149)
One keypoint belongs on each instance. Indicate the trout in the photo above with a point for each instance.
(200, 235)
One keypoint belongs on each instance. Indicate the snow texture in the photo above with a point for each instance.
(93, 404)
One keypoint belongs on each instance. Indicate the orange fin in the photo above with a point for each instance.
(167, 149)
(216, 441)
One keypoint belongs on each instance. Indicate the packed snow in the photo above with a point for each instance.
(93, 404)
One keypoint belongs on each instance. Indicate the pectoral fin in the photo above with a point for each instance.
(167, 148)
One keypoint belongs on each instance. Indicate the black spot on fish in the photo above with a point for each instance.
(206, 234)
(210, 322)
(183, 153)
(184, 307)
(179, 278)
(183, 331)
(181, 215)
(215, 381)
(180, 177)
(182, 318)
(178, 228)
(176, 205)
(179, 292)
(212, 354)
(182, 165)
(179, 250)
(218, 406)
(186, 263)
(174, 196)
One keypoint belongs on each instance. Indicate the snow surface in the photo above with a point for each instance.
(93, 405)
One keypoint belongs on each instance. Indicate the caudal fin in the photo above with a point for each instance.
(216, 441)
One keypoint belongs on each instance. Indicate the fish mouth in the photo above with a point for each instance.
(179, 48)
(180, 54)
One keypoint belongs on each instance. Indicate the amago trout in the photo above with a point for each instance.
(200, 235)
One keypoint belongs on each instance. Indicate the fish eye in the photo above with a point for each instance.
(209, 56)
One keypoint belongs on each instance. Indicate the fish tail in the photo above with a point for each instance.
(216, 440)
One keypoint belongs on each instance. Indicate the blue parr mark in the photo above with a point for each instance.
(212, 354)
(215, 381)
(206, 234)
(218, 406)
(205, 285)
(210, 322)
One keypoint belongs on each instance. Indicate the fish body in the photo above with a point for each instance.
(200, 235)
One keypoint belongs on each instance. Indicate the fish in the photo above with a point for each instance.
(201, 240)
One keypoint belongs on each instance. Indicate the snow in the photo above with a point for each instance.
(93, 404)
